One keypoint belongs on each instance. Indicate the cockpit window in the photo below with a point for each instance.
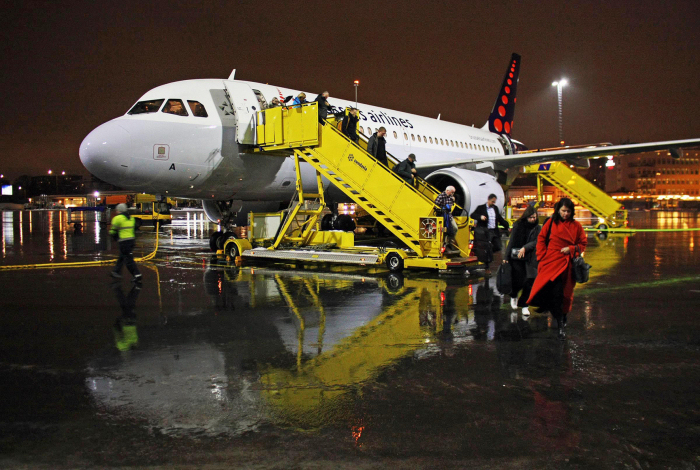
(197, 108)
(144, 107)
(175, 107)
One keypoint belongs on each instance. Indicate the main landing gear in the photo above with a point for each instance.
(218, 239)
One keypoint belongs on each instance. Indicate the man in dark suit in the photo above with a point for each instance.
(488, 217)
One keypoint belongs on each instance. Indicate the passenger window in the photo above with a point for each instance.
(441, 142)
(395, 135)
(405, 136)
(413, 137)
(461, 144)
(197, 109)
(175, 107)
(431, 140)
(145, 107)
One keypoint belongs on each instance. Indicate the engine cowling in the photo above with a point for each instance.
(472, 188)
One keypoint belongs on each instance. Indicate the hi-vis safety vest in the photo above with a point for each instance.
(124, 227)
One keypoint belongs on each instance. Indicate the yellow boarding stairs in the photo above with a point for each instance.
(319, 389)
(610, 213)
(408, 212)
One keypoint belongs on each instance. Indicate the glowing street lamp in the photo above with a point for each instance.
(63, 172)
(50, 171)
(357, 83)
(560, 84)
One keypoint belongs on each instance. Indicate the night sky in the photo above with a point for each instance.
(633, 67)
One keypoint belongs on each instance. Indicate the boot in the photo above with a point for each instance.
(562, 328)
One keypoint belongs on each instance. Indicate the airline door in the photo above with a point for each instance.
(245, 104)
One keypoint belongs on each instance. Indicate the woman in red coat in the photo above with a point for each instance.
(560, 239)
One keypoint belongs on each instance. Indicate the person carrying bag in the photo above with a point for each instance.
(557, 244)
(520, 255)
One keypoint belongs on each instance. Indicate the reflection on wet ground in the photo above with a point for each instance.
(284, 366)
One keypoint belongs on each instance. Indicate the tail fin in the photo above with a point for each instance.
(501, 118)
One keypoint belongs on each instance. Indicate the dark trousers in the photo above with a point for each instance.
(495, 239)
(126, 256)
(527, 288)
(551, 297)
(518, 276)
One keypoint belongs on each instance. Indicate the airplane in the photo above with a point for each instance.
(195, 139)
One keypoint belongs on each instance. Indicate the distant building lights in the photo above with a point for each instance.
(50, 171)
(96, 194)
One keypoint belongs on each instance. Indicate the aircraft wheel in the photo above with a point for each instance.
(222, 239)
(213, 240)
(232, 251)
(394, 262)
(394, 282)
(602, 227)
(327, 222)
(345, 223)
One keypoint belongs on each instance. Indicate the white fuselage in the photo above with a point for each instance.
(206, 157)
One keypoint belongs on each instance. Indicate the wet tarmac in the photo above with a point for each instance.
(213, 366)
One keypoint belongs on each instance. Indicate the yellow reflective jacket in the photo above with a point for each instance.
(124, 227)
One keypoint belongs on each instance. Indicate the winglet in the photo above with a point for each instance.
(501, 118)
(233, 74)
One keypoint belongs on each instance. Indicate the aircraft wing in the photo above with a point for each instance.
(526, 158)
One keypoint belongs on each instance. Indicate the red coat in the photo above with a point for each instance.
(552, 262)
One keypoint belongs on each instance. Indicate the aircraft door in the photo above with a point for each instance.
(245, 104)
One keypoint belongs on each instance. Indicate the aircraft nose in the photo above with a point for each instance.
(106, 151)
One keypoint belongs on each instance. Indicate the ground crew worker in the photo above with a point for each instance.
(123, 230)
(407, 169)
(376, 145)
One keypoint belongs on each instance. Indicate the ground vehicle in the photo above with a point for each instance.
(151, 213)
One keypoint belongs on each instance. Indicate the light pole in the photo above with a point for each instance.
(357, 83)
(560, 84)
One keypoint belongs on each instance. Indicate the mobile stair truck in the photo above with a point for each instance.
(611, 214)
(408, 212)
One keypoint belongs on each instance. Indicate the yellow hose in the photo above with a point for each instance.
(80, 264)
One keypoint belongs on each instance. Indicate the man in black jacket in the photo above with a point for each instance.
(407, 169)
(323, 106)
(349, 127)
(488, 217)
(376, 145)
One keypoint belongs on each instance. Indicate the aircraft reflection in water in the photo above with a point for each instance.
(296, 347)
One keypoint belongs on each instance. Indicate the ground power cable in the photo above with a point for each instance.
(79, 264)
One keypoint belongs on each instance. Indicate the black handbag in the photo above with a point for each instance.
(580, 267)
(504, 278)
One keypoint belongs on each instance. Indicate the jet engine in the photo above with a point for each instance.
(472, 188)
(220, 212)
